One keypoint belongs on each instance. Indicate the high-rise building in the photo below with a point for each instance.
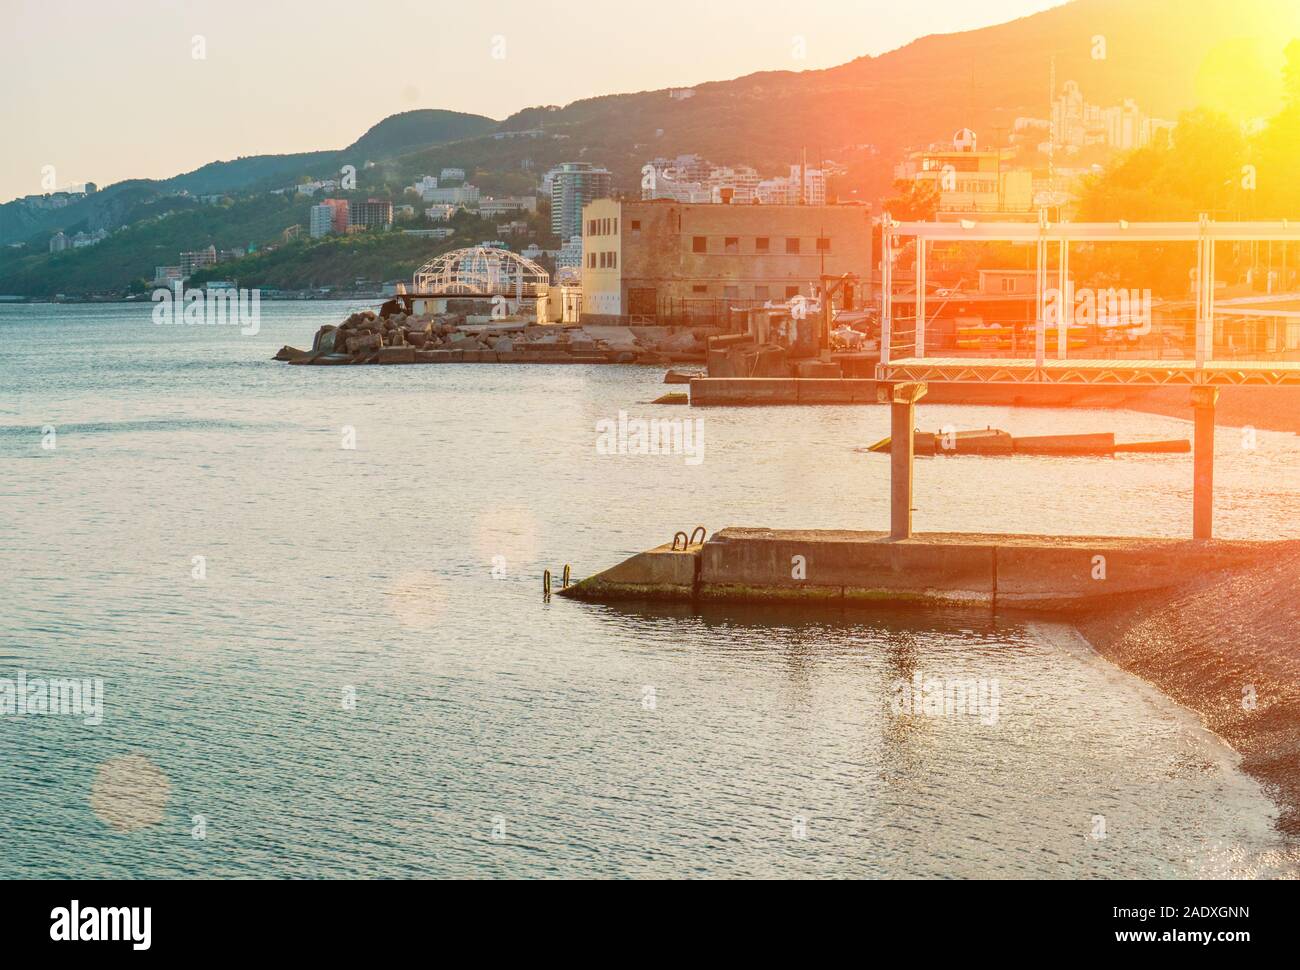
(322, 221)
(341, 211)
(573, 185)
(371, 214)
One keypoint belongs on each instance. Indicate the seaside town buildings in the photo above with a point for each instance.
(654, 259)
(60, 242)
(691, 178)
(1076, 124)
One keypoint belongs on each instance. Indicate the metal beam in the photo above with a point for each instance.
(1028, 232)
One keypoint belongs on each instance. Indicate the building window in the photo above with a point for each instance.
(700, 244)
(762, 245)
(823, 245)
(1008, 284)
(791, 292)
(636, 228)
(731, 245)
(591, 260)
(699, 289)
(792, 247)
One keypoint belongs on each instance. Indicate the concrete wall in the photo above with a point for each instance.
(602, 293)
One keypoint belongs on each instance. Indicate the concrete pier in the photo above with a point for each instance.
(842, 568)
(902, 456)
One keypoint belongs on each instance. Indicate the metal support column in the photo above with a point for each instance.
(1203, 401)
(902, 448)
(920, 296)
(886, 293)
(1040, 324)
(1064, 303)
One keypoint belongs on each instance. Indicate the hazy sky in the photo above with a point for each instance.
(110, 89)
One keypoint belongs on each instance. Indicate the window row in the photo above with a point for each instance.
(602, 227)
(759, 294)
(602, 260)
(730, 245)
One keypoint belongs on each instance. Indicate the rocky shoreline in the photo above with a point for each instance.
(1228, 648)
(395, 337)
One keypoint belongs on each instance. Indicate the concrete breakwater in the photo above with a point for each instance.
(843, 568)
(395, 337)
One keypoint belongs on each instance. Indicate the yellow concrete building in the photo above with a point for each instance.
(973, 182)
(665, 261)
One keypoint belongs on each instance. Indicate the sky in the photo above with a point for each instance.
(101, 91)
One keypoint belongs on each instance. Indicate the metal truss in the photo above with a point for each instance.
(482, 271)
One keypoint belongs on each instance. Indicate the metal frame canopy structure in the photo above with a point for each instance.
(481, 271)
(1044, 234)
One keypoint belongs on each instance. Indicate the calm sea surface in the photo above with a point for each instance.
(348, 690)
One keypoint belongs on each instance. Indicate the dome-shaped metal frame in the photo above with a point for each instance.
(481, 271)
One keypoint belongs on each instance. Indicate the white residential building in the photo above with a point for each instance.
(423, 185)
(490, 207)
(430, 233)
(321, 221)
(459, 195)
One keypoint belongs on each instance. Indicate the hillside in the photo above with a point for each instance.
(1168, 55)
(410, 130)
(111, 207)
